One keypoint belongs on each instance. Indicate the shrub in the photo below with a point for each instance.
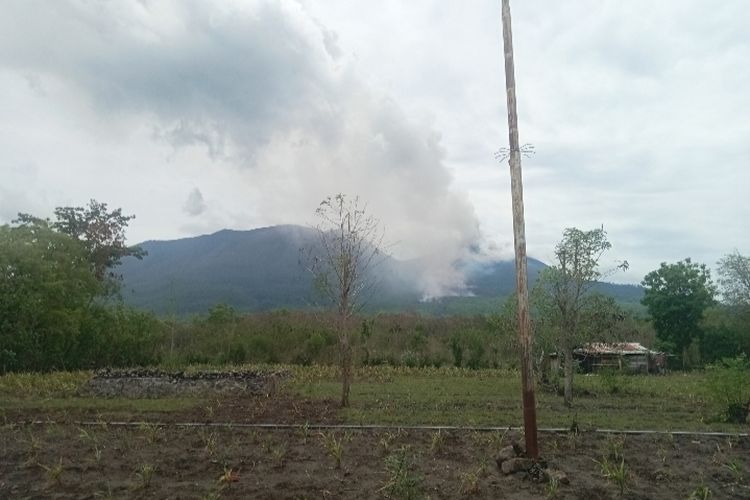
(457, 350)
(475, 345)
(728, 383)
(403, 481)
(613, 381)
(236, 354)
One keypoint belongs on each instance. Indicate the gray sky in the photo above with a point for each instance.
(200, 115)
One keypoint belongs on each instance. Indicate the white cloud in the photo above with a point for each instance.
(255, 94)
(638, 112)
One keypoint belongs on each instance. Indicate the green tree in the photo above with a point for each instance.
(676, 296)
(726, 325)
(567, 309)
(50, 276)
(726, 332)
(100, 231)
(46, 285)
(348, 248)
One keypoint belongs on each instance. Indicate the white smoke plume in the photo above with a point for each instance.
(261, 87)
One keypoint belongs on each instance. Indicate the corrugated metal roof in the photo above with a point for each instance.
(621, 348)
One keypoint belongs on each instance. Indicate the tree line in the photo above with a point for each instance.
(689, 321)
(58, 293)
(60, 307)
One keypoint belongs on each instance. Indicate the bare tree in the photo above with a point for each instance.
(348, 248)
(566, 286)
(734, 278)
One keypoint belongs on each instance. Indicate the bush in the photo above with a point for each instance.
(614, 381)
(411, 359)
(457, 350)
(117, 336)
(261, 350)
(403, 480)
(728, 383)
(475, 345)
(236, 354)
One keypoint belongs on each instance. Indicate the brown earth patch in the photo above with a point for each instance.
(71, 461)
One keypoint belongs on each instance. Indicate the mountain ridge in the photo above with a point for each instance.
(263, 268)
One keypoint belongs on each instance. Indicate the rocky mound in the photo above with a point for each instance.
(155, 383)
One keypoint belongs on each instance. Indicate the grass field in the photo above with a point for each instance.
(78, 447)
(413, 396)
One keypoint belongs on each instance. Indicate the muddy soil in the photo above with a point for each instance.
(67, 460)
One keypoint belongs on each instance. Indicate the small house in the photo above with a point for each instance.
(621, 356)
(627, 356)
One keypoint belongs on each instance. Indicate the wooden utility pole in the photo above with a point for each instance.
(519, 237)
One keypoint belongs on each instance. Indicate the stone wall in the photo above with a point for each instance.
(146, 383)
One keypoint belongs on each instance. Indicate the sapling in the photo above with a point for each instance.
(305, 432)
(617, 473)
(209, 441)
(552, 488)
(470, 481)
(144, 473)
(152, 432)
(615, 445)
(403, 481)
(702, 492)
(229, 476)
(54, 472)
(437, 441)
(278, 453)
(735, 468)
(333, 446)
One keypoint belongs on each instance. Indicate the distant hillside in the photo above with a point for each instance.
(252, 270)
(262, 269)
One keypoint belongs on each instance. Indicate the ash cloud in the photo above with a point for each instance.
(264, 88)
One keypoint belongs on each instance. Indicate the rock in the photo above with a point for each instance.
(557, 475)
(545, 474)
(516, 464)
(505, 454)
(144, 382)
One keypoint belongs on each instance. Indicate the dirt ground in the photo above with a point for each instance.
(69, 460)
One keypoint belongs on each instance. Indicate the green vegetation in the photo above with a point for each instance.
(403, 481)
(295, 337)
(564, 302)
(59, 313)
(452, 396)
(728, 384)
(689, 321)
(42, 385)
(434, 396)
(56, 289)
(333, 446)
(676, 297)
(617, 473)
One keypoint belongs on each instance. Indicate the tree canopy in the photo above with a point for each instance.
(676, 296)
(51, 274)
(45, 285)
(563, 300)
(100, 231)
